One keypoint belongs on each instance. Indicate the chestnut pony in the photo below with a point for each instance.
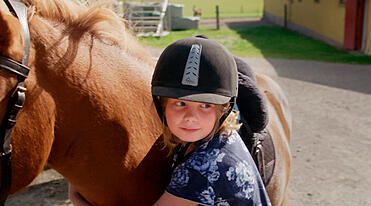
(89, 113)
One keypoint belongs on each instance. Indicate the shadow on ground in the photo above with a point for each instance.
(49, 193)
(345, 76)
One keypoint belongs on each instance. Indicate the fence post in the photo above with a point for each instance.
(217, 17)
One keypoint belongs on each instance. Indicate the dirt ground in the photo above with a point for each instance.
(330, 144)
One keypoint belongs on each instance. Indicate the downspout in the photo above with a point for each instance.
(287, 12)
(365, 46)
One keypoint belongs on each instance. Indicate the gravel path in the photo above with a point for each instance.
(331, 138)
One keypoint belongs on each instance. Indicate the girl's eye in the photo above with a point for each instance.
(182, 104)
(205, 105)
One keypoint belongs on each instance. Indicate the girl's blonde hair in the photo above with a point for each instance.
(229, 124)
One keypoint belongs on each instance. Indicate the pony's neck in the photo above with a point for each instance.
(61, 46)
(92, 83)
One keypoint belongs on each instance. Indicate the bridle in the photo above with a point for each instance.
(16, 100)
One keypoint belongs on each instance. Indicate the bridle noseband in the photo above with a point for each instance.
(16, 100)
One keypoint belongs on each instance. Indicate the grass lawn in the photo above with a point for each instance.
(227, 8)
(268, 42)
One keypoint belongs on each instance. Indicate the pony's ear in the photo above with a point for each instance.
(11, 39)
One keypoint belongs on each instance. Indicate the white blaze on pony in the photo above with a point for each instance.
(89, 111)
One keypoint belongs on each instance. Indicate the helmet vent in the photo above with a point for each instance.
(192, 68)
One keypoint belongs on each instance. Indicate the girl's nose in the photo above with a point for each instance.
(190, 115)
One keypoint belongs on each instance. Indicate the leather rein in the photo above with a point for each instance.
(16, 100)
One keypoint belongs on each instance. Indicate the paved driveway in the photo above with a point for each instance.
(331, 139)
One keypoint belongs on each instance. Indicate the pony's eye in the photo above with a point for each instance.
(182, 104)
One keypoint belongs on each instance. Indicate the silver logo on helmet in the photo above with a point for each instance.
(192, 68)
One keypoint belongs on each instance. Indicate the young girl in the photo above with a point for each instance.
(194, 88)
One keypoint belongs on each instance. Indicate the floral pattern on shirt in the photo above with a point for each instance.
(221, 202)
(207, 163)
(232, 139)
(207, 196)
(221, 173)
(242, 176)
(180, 178)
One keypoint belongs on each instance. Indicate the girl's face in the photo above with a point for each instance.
(190, 121)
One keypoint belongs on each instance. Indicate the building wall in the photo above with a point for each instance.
(324, 20)
(275, 7)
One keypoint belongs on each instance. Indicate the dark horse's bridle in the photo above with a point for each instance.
(16, 99)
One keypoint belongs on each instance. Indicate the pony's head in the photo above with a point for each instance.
(13, 64)
(11, 40)
(11, 46)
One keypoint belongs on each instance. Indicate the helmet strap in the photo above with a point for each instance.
(159, 108)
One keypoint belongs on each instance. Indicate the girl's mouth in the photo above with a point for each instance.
(189, 129)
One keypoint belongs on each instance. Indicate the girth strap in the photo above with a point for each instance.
(263, 153)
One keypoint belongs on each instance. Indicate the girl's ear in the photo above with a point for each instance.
(11, 39)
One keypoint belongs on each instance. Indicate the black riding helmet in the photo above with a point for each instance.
(196, 69)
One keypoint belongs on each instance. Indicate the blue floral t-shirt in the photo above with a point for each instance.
(219, 172)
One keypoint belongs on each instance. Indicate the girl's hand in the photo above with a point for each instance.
(76, 198)
(168, 199)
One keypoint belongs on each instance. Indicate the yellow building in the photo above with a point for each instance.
(342, 23)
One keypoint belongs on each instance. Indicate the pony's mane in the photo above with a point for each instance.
(96, 18)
